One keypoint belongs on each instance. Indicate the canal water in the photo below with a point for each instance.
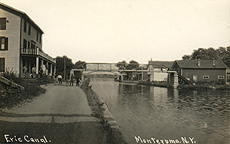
(151, 113)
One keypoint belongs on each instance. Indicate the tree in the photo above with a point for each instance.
(121, 65)
(211, 54)
(80, 65)
(186, 57)
(60, 65)
(132, 65)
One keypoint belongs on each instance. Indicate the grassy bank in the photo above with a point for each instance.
(205, 86)
(113, 134)
(155, 83)
(11, 96)
(199, 86)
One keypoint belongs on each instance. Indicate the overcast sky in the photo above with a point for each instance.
(116, 30)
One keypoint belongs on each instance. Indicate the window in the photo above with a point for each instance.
(2, 64)
(205, 77)
(24, 45)
(40, 38)
(3, 43)
(29, 31)
(25, 26)
(37, 36)
(2, 23)
(33, 48)
(220, 77)
(28, 44)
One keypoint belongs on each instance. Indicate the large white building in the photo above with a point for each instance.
(21, 44)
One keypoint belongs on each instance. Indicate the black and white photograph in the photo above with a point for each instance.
(115, 72)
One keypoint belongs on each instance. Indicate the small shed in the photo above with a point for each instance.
(195, 71)
(157, 70)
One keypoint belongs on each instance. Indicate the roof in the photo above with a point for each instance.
(160, 64)
(21, 14)
(203, 64)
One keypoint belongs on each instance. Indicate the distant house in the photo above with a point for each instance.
(137, 74)
(21, 44)
(201, 70)
(157, 70)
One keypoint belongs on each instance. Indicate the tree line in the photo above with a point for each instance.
(61, 61)
(222, 53)
(82, 65)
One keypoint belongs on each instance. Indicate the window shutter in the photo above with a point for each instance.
(6, 43)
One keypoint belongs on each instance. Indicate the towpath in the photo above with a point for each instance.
(61, 115)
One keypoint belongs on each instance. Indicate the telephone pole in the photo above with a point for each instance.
(64, 57)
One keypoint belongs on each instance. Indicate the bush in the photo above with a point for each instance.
(11, 96)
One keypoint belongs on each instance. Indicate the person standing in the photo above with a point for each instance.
(59, 79)
(71, 80)
(33, 71)
(25, 70)
(77, 81)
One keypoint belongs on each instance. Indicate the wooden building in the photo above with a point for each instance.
(201, 71)
(157, 70)
(21, 44)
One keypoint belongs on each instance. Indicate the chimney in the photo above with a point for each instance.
(198, 62)
(213, 63)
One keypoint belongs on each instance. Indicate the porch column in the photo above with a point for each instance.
(54, 69)
(37, 65)
(122, 78)
(42, 63)
(51, 69)
(47, 67)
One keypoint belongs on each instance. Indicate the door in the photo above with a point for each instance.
(194, 77)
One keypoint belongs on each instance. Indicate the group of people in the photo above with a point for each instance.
(42, 71)
(71, 80)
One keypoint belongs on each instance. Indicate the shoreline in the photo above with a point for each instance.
(101, 111)
(205, 86)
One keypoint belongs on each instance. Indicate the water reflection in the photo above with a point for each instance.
(167, 113)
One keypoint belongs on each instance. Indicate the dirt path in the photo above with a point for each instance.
(61, 115)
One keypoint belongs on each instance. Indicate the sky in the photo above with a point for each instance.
(116, 30)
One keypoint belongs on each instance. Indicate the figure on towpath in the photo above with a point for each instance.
(71, 80)
(77, 81)
(59, 79)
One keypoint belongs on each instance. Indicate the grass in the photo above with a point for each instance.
(11, 96)
(205, 86)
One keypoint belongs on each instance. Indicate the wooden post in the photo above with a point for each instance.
(64, 57)
(37, 65)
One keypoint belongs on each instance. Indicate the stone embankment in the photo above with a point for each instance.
(101, 111)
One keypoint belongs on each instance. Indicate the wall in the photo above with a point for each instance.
(31, 37)
(13, 33)
(212, 73)
(160, 76)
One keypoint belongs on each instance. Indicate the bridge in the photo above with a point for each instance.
(101, 67)
(109, 69)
